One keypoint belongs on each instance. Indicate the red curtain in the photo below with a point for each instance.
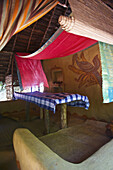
(31, 72)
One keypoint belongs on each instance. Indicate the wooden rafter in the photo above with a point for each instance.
(6, 52)
(48, 26)
(12, 73)
(66, 8)
(14, 43)
(63, 4)
(31, 35)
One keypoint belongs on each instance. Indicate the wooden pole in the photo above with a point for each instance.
(51, 17)
(47, 121)
(41, 113)
(12, 75)
(31, 35)
(27, 111)
(64, 115)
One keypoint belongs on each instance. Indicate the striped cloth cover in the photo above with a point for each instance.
(16, 15)
(50, 100)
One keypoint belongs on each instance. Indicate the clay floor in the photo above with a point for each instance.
(76, 143)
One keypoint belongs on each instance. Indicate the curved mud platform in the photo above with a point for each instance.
(32, 154)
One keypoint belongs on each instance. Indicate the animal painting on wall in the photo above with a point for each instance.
(87, 73)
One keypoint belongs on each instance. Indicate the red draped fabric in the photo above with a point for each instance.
(31, 72)
(64, 45)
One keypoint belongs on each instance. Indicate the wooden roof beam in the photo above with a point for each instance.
(47, 27)
(14, 43)
(31, 35)
(6, 52)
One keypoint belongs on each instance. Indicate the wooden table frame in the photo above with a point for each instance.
(47, 103)
(63, 117)
(46, 117)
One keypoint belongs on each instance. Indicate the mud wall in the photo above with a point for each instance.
(81, 74)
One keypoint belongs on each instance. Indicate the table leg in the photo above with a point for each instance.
(64, 115)
(41, 113)
(47, 121)
(27, 111)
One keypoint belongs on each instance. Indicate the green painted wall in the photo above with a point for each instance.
(76, 80)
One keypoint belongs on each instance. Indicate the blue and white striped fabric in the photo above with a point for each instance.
(50, 100)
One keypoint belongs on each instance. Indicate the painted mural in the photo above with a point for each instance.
(87, 73)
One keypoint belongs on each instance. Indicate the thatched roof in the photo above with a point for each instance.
(33, 37)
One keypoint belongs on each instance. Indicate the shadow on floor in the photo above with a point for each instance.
(83, 138)
(7, 160)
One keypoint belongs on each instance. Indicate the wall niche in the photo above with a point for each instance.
(57, 80)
